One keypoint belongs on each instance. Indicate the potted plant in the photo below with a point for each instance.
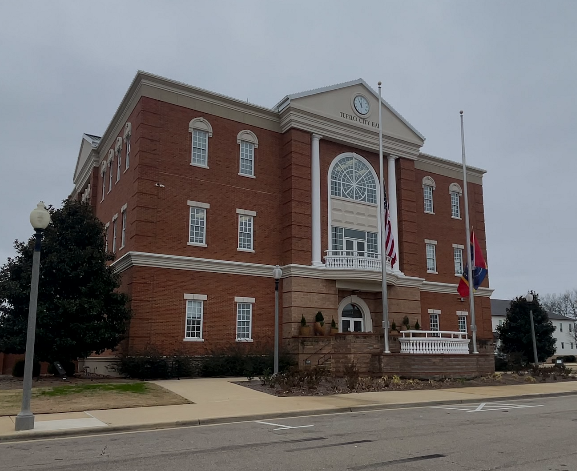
(319, 324)
(334, 328)
(394, 327)
(304, 330)
(417, 326)
(406, 323)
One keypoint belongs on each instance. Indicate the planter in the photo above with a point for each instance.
(305, 331)
(319, 329)
(334, 330)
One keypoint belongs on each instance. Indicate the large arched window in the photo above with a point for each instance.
(352, 179)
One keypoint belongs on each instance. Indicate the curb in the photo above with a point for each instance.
(20, 436)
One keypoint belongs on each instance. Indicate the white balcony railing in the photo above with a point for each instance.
(354, 260)
(426, 341)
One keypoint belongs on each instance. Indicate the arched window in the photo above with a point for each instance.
(352, 319)
(352, 179)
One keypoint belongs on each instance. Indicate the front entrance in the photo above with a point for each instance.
(352, 319)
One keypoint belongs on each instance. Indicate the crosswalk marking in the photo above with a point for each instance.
(487, 407)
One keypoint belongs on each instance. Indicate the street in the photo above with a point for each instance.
(521, 435)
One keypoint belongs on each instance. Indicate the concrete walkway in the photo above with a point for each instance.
(218, 400)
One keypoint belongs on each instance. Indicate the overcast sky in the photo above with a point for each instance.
(510, 65)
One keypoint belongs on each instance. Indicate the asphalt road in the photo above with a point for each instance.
(533, 435)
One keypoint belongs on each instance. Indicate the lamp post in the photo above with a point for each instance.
(277, 274)
(39, 218)
(529, 299)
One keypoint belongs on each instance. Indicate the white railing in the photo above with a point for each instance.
(353, 260)
(428, 341)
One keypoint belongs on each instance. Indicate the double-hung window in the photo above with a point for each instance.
(106, 236)
(201, 130)
(434, 320)
(248, 142)
(194, 317)
(431, 250)
(244, 319)
(428, 187)
(118, 162)
(462, 317)
(103, 182)
(114, 219)
(199, 148)
(197, 223)
(455, 192)
(246, 230)
(123, 233)
(458, 258)
(110, 172)
(127, 158)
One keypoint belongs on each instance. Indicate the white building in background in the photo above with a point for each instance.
(564, 333)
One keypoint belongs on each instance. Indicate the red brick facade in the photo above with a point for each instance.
(159, 267)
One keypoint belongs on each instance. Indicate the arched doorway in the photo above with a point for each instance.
(354, 315)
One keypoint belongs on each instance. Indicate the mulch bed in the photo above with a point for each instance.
(330, 385)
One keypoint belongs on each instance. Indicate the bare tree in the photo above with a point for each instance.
(564, 304)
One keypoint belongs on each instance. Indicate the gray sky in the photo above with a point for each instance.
(511, 65)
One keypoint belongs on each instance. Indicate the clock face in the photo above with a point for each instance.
(361, 104)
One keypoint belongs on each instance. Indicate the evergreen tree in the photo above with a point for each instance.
(515, 332)
(79, 308)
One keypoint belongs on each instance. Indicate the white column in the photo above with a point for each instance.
(392, 198)
(316, 200)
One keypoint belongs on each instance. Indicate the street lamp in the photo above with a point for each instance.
(39, 218)
(529, 299)
(277, 274)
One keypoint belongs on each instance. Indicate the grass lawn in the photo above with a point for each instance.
(81, 397)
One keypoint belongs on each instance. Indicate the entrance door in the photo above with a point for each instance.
(355, 247)
(352, 319)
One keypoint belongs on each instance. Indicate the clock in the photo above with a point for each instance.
(361, 105)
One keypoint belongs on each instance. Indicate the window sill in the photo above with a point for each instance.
(245, 250)
(459, 275)
(196, 244)
(429, 212)
(193, 340)
(198, 165)
(126, 170)
(432, 272)
(244, 340)
(245, 175)
(454, 217)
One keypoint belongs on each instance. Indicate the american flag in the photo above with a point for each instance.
(389, 237)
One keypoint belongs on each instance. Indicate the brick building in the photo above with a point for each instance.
(202, 195)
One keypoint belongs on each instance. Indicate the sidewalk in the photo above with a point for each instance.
(218, 400)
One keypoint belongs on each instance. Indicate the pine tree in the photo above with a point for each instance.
(80, 310)
(515, 332)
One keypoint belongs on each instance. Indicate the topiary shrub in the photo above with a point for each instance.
(18, 369)
(417, 326)
(320, 318)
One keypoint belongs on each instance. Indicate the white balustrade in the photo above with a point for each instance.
(428, 341)
(354, 260)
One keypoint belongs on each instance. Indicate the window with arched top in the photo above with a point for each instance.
(352, 179)
(201, 130)
(455, 192)
(428, 188)
(352, 319)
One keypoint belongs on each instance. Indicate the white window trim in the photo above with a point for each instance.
(251, 214)
(250, 137)
(462, 247)
(198, 204)
(124, 206)
(434, 311)
(461, 313)
(428, 181)
(194, 297)
(123, 228)
(246, 212)
(244, 300)
(431, 242)
(205, 206)
(241, 300)
(200, 124)
(127, 135)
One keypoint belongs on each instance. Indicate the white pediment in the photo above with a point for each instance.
(335, 104)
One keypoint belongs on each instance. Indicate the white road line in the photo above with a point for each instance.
(480, 407)
(282, 427)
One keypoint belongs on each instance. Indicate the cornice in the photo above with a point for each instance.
(449, 164)
(346, 133)
(451, 288)
(86, 170)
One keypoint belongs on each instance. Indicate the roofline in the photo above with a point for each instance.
(284, 102)
(453, 163)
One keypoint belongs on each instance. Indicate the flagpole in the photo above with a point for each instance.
(383, 222)
(468, 235)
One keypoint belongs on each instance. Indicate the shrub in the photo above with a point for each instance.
(149, 364)
(320, 318)
(417, 326)
(351, 376)
(303, 321)
(68, 366)
(393, 326)
(333, 323)
(406, 322)
(18, 369)
(500, 363)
